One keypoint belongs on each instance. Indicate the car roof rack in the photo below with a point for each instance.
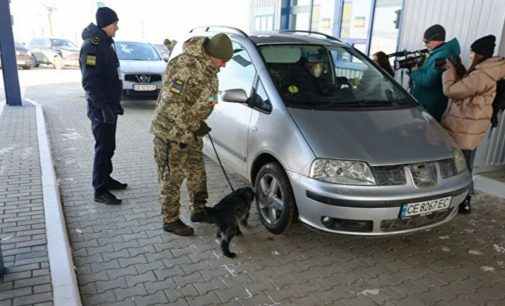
(311, 32)
(213, 27)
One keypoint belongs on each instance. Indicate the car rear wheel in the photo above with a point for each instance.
(275, 200)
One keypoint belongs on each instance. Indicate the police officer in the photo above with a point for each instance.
(187, 98)
(99, 64)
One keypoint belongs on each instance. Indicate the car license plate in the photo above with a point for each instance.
(425, 207)
(138, 87)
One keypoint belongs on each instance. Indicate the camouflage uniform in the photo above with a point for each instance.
(187, 98)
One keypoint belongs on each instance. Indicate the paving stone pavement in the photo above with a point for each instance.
(22, 223)
(123, 257)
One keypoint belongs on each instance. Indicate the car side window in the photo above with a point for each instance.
(239, 72)
(261, 101)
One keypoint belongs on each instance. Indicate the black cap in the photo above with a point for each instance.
(105, 16)
(484, 45)
(435, 32)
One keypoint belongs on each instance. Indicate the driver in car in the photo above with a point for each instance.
(310, 77)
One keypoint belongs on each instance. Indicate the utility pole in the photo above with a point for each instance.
(50, 9)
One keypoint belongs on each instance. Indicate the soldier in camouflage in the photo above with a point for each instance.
(189, 94)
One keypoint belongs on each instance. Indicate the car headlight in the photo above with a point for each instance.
(342, 172)
(459, 161)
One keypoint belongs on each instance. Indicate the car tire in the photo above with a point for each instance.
(58, 62)
(275, 201)
(35, 62)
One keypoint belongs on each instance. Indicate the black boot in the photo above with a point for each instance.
(179, 228)
(106, 197)
(115, 185)
(465, 207)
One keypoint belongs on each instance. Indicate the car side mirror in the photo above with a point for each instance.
(165, 59)
(235, 96)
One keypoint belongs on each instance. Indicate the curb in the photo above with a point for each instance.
(64, 281)
(489, 185)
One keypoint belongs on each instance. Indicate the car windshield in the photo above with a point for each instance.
(136, 51)
(326, 77)
(63, 43)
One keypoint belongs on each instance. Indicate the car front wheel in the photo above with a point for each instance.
(275, 200)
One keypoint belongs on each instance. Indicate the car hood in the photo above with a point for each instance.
(379, 137)
(157, 67)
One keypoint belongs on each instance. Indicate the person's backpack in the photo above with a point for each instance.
(498, 102)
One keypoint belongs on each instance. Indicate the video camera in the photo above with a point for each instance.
(409, 59)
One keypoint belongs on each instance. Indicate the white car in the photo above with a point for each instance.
(140, 68)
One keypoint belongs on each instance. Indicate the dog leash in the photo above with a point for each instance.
(220, 163)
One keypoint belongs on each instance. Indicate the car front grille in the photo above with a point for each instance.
(390, 175)
(424, 174)
(415, 221)
(143, 78)
(447, 168)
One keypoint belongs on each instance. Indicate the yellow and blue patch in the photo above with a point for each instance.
(91, 60)
(177, 86)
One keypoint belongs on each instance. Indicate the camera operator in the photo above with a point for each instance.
(427, 80)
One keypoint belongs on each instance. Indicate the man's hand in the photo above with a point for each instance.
(203, 130)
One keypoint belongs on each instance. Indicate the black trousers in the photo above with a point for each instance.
(469, 157)
(105, 144)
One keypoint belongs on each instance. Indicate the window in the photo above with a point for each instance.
(320, 77)
(262, 102)
(356, 22)
(133, 51)
(239, 72)
(385, 26)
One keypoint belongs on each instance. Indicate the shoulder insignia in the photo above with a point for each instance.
(95, 40)
(177, 86)
(90, 60)
(293, 89)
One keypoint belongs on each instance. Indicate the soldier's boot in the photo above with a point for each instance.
(199, 215)
(115, 185)
(106, 197)
(179, 228)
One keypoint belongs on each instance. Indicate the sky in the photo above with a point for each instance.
(145, 20)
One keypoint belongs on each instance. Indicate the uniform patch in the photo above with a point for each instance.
(293, 89)
(90, 60)
(177, 86)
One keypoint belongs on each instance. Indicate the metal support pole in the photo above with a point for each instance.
(8, 50)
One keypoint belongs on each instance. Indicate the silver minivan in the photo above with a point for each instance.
(328, 138)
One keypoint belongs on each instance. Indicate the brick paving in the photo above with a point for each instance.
(123, 257)
(22, 223)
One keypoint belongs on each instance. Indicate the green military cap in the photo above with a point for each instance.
(219, 46)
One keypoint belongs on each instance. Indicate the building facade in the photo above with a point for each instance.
(393, 25)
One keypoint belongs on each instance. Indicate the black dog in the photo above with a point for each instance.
(228, 214)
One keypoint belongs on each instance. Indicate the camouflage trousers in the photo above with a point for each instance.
(174, 165)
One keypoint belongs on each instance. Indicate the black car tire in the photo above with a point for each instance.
(288, 214)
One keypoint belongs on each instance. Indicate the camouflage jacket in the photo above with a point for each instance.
(188, 95)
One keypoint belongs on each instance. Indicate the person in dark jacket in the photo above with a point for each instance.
(427, 80)
(99, 64)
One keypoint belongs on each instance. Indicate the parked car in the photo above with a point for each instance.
(58, 52)
(346, 150)
(140, 68)
(24, 58)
